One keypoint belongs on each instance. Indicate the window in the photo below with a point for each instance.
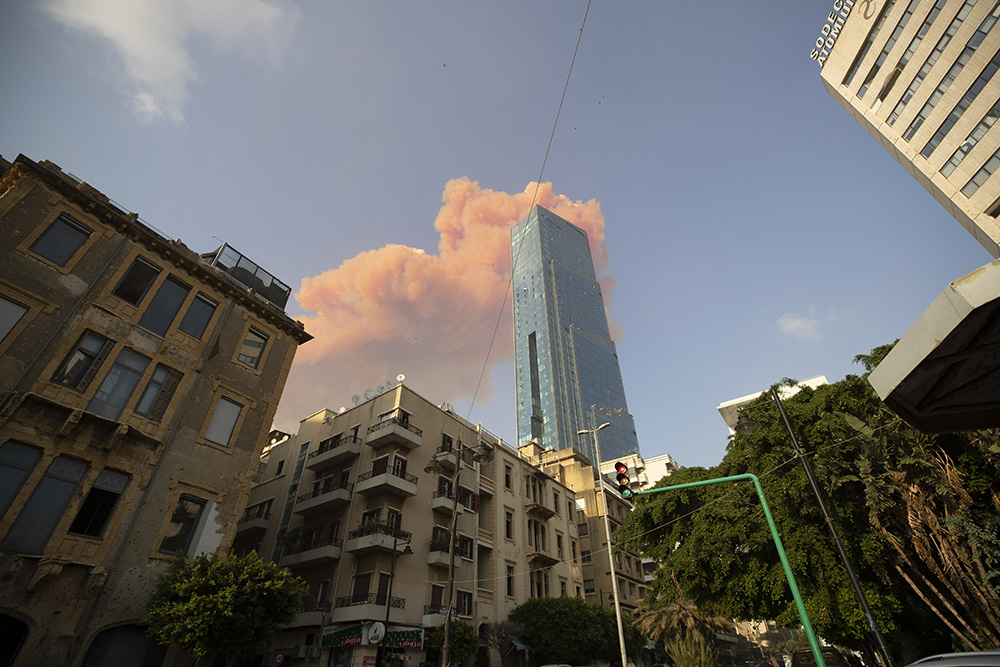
(588, 586)
(508, 525)
(61, 240)
(585, 557)
(982, 175)
(555, 501)
(198, 315)
(45, 507)
(253, 348)
(507, 476)
(220, 429)
(82, 363)
(582, 529)
(562, 588)
(559, 546)
(163, 308)
(183, 522)
(463, 546)
(277, 471)
(16, 463)
(464, 603)
(510, 581)
(157, 394)
(118, 384)
(11, 313)
(100, 503)
(446, 442)
(572, 548)
(134, 285)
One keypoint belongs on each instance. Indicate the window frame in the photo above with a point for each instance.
(84, 377)
(43, 230)
(116, 385)
(116, 496)
(164, 319)
(44, 492)
(139, 261)
(196, 524)
(165, 390)
(16, 485)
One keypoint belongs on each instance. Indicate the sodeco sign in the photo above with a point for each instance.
(831, 29)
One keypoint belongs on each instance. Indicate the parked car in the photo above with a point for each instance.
(968, 659)
(831, 656)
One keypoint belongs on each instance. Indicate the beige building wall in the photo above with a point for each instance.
(922, 83)
(335, 499)
(137, 386)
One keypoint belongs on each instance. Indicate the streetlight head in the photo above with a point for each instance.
(407, 550)
(745, 425)
(603, 425)
(432, 467)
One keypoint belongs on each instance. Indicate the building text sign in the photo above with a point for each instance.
(830, 31)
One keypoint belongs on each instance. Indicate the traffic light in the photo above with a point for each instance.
(623, 481)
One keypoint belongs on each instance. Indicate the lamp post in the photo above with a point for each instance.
(746, 425)
(607, 531)
(380, 653)
(482, 453)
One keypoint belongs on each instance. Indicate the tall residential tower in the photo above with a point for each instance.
(568, 377)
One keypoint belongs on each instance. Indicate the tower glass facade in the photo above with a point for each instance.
(567, 372)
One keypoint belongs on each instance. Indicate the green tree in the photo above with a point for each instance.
(568, 630)
(918, 514)
(462, 637)
(229, 607)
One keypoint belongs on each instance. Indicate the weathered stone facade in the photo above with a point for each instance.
(138, 381)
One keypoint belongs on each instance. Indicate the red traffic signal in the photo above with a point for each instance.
(624, 481)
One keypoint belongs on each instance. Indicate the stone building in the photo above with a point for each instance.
(361, 504)
(138, 381)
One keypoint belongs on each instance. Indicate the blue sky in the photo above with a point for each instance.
(754, 230)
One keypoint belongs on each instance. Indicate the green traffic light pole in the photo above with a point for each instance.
(806, 625)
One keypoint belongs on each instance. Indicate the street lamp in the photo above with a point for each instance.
(607, 531)
(482, 453)
(745, 425)
(381, 651)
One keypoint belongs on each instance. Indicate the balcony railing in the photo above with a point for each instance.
(255, 515)
(439, 609)
(297, 548)
(375, 473)
(378, 599)
(325, 488)
(333, 443)
(398, 421)
(379, 528)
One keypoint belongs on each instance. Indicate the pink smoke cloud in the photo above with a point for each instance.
(432, 317)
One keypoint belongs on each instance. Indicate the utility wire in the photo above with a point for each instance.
(534, 197)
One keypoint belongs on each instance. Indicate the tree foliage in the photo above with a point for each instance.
(918, 514)
(229, 607)
(568, 630)
(461, 637)
(500, 637)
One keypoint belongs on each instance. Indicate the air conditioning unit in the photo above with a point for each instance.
(300, 651)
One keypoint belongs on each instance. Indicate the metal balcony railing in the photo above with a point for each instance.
(395, 473)
(325, 488)
(398, 421)
(333, 443)
(379, 599)
(292, 549)
(379, 528)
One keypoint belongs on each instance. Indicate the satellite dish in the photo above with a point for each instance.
(381, 389)
(369, 393)
(400, 377)
(342, 410)
(356, 399)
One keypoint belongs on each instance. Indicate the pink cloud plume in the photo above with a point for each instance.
(402, 310)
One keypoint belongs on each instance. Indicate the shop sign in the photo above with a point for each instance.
(350, 636)
(405, 638)
(830, 31)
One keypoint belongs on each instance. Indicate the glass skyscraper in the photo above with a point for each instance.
(568, 378)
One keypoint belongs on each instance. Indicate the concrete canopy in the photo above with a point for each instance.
(944, 374)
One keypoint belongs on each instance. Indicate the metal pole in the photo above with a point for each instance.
(806, 625)
(446, 644)
(380, 652)
(873, 625)
(607, 532)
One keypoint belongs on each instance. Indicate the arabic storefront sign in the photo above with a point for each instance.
(830, 31)
(405, 638)
(350, 636)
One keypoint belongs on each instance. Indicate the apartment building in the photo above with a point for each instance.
(138, 381)
(362, 503)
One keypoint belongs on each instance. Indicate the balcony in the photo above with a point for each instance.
(325, 496)
(370, 606)
(439, 557)
(387, 481)
(442, 502)
(539, 558)
(434, 615)
(486, 538)
(332, 451)
(447, 457)
(318, 553)
(376, 536)
(539, 510)
(395, 430)
(253, 525)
